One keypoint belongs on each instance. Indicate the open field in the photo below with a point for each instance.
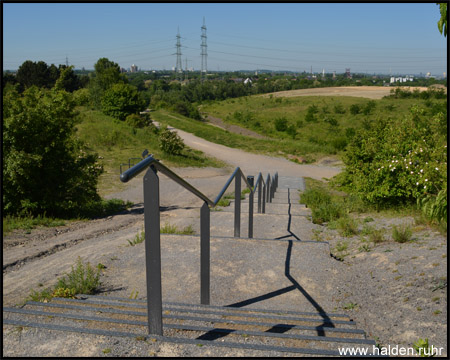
(369, 92)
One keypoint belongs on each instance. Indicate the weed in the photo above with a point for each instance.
(139, 238)
(41, 296)
(423, 348)
(106, 351)
(437, 312)
(365, 248)
(406, 299)
(134, 295)
(398, 277)
(317, 235)
(444, 256)
(377, 236)
(441, 285)
(436, 298)
(100, 266)
(341, 246)
(83, 279)
(64, 293)
(172, 229)
(435, 264)
(350, 306)
(395, 271)
(347, 226)
(419, 308)
(413, 257)
(401, 234)
(368, 219)
(388, 250)
(367, 230)
(141, 338)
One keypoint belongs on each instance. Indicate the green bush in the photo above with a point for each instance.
(137, 121)
(281, 124)
(396, 161)
(170, 142)
(355, 109)
(121, 100)
(46, 169)
(81, 97)
(339, 109)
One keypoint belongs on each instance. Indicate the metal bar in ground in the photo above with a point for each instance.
(174, 339)
(204, 254)
(193, 327)
(320, 328)
(153, 251)
(237, 205)
(231, 313)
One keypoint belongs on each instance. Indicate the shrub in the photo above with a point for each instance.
(396, 161)
(339, 109)
(331, 120)
(170, 142)
(137, 121)
(84, 279)
(368, 108)
(281, 124)
(121, 100)
(81, 97)
(355, 109)
(45, 168)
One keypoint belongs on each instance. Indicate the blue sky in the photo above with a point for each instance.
(397, 38)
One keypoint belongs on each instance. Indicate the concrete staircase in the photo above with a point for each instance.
(268, 293)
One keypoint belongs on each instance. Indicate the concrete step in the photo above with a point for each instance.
(265, 226)
(271, 208)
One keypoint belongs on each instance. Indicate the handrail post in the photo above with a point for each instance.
(264, 200)
(250, 214)
(269, 187)
(259, 196)
(153, 252)
(204, 254)
(237, 205)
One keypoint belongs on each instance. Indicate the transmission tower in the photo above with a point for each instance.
(203, 53)
(67, 61)
(178, 68)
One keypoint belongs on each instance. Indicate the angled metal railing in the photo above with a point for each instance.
(266, 190)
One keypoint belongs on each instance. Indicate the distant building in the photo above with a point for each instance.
(248, 81)
(133, 68)
(401, 79)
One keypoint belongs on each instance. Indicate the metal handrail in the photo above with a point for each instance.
(152, 227)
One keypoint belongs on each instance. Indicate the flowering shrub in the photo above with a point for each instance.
(394, 161)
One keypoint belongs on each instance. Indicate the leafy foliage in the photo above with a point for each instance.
(121, 100)
(396, 161)
(46, 169)
(83, 279)
(170, 142)
(434, 207)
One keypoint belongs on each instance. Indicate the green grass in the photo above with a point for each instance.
(173, 229)
(29, 222)
(259, 146)
(327, 135)
(116, 142)
(401, 234)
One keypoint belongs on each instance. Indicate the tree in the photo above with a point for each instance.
(442, 23)
(107, 73)
(67, 79)
(46, 169)
(122, 100)
(35, 73)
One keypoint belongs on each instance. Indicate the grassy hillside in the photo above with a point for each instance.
(311, 125)
(116, 142)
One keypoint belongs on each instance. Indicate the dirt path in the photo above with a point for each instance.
(233, 128)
